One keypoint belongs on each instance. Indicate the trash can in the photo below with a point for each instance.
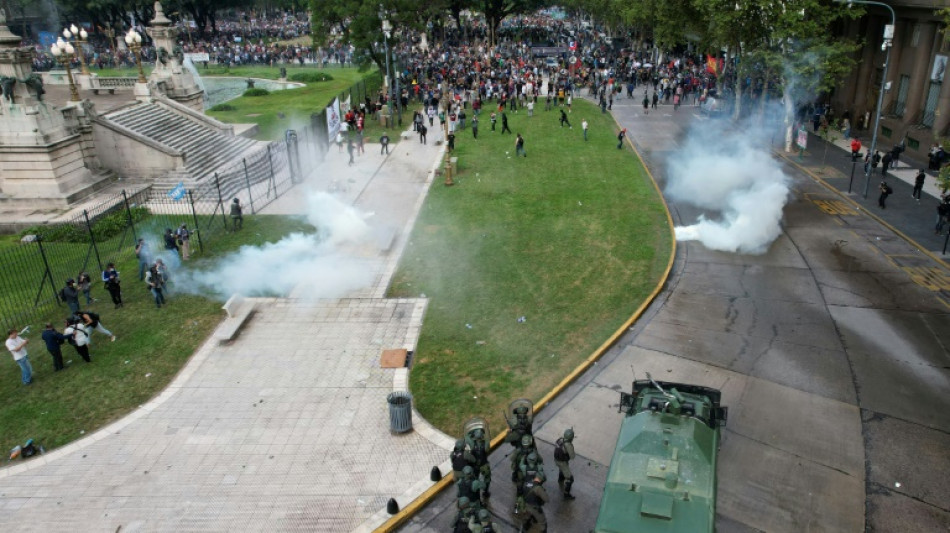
(400, 411)
(283, 73)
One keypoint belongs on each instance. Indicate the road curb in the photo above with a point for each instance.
(413, 507)
(861, 209)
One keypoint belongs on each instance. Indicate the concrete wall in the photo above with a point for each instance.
(130, 156)
(53, 172)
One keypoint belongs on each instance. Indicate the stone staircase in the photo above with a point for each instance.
(207, 149)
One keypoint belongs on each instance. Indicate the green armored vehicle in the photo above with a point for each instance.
(662, 475)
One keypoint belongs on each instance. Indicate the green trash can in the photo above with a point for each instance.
(400, 411)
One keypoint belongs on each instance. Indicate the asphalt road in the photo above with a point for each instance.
(831, 350)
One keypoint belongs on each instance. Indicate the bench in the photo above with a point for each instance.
(97, 89)
(239, 309)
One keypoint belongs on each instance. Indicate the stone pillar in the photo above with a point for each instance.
(43, 159)
(169, 76)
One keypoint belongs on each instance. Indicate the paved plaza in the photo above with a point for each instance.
(285, 428)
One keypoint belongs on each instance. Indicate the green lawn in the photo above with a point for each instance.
(573, 238)
(152, 346)
(295, 105)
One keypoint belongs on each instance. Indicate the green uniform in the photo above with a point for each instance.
(563, 455)
(535, 497)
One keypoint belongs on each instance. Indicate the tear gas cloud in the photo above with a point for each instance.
(732, 173)
(327, 264)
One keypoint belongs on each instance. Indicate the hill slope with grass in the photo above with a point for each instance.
(573, 238)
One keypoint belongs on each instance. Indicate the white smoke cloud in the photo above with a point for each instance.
(731, 173)
(327, 264)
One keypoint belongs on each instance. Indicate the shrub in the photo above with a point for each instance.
(310, 77)
(223, 107)
(256, 92)
(103, 228)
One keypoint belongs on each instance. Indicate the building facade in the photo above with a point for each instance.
(916, 106)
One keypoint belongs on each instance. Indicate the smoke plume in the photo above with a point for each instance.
(327, 264)
(731, 173)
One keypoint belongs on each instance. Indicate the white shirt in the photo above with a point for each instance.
(79, 333)
(14, 344)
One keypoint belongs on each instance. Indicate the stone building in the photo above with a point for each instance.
(916, 104)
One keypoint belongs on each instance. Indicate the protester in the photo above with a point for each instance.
(144, 255)
(70, 295)
(110, 277)
(93, 323)
(77, 334)
(17, 347)
(54, 340)
(85, 286)
(237, 215)
(156, 284)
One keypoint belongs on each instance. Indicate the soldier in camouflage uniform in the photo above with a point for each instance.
(479, 450)
(535, 497)
(517, 459)
(563, 455)
(520, 428)
(460, 457)
(466, 511)
(483, 524)
(464, 484)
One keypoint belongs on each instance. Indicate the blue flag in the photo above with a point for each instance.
(178, 192)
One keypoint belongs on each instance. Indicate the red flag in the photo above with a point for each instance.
(712, 66)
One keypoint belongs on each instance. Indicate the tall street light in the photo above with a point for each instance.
(886, 46)
(387, 29)
(63, 51)
(80, 35)
(134, 40)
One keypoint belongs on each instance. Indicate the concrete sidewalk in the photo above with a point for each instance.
(286, 427)
(915, 219)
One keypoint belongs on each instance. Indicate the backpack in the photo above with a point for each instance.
(458, 460)
(62, 294)
(560, 454)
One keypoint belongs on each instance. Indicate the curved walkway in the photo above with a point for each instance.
(285, 428)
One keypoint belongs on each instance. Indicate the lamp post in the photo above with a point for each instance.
(79, 35)
(387, 29)
(886, 46)
(134, 40)
(63, 52)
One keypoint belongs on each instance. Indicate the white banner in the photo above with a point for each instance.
(196, 57)
(333, 120)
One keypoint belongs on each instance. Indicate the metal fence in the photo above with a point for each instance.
(315, 137)
(48, 254)
(36, 269)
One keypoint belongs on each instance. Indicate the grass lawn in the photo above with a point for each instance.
(296, 105)
(152, 346)
(573, 238)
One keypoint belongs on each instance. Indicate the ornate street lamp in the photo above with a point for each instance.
(63, 52)
(80, 35)
(134, 40)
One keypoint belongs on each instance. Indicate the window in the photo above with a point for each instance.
(913, 143)
(915, 40)
(902, 88)
(933, 94)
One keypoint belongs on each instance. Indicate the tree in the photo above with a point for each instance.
(496, 10)
(359, 24)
